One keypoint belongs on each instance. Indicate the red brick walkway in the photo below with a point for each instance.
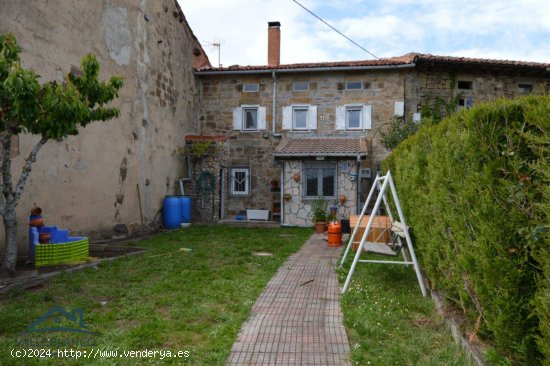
(297, 319)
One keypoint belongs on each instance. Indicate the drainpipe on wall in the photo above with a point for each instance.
(274, 106)
(358, 207)
(282, 192)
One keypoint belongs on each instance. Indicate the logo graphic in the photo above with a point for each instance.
(58, 320)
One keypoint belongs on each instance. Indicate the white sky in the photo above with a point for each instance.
(499, 29)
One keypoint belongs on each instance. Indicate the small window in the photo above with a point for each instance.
(239, 180)
(465, 103)
(354, 117)
(354, 85)
(465, 85)
(525, 88)
(299, 117)
(320, 179)
(250, 118)
(251, 88)
(300, 86)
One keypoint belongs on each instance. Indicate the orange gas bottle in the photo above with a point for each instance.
(334, 234)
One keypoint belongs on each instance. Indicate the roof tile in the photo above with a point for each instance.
(322, 147)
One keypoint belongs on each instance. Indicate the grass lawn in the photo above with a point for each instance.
(165, 299)
(388, 322)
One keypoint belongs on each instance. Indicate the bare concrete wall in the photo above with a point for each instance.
(88, 183)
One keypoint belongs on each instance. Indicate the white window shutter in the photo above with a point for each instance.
(287, 118)
(399, 109)
(237, 118)
(312, 117)
(367, 124)
(340, 117)
(261, 118)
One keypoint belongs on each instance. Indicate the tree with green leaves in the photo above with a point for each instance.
(51, 111)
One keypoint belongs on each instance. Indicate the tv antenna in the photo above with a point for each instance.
(218, 45)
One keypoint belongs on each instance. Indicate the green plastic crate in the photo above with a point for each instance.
(59, 253)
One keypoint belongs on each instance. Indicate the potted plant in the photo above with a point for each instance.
(287, 196)
(319, 215)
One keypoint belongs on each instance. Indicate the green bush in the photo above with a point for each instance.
(475, 188)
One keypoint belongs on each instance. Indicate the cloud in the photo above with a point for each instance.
(478, 28)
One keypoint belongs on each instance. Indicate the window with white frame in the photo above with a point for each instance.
(300, 86)
(353, 117)
(299, 117)
(251, 88)
(249, 118)
(320, 179)
(239, 180)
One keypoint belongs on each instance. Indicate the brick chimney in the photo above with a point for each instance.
(273, 43)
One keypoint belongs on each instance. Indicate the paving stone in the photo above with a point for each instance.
(297, 319)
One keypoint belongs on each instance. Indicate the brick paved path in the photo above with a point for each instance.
(297, 319)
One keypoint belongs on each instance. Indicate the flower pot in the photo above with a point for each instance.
(287, 197)
(342, 199)
(38, 222)
(44, 238)
(296, 177)
(320, 227)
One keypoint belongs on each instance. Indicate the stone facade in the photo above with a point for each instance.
(297, 209)
(89, 183)
(383, 89)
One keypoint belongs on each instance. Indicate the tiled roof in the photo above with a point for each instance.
(333, 146)
(408, 59)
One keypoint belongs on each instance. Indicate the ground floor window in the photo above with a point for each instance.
(239, 180)
(320, 179)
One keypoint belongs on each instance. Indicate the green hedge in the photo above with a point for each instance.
(475, 189)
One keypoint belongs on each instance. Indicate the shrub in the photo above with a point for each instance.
(475, 189)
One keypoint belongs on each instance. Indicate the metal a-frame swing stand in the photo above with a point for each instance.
(399, 230)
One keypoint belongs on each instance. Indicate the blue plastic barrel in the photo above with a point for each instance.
(185, 209)
(171, 212)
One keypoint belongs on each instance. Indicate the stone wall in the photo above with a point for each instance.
(297, 210)
(89, 183)
(221, 93)
(435, 82)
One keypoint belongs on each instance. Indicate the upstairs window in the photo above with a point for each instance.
(251, 88)
(249, 118)
(354, 85)
(353, 117)
(300, 117)
(465, 85)
(239, 180)
(320, 179)
(525, 88)
(300, 86)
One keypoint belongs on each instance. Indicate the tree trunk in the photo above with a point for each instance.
(10, 227)
(9, 200)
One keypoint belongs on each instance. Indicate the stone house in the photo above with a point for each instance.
(293, 133)
(269, 138)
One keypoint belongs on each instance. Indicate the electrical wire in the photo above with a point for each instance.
(337, 31)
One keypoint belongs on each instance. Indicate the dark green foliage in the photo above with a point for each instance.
(475, 189)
